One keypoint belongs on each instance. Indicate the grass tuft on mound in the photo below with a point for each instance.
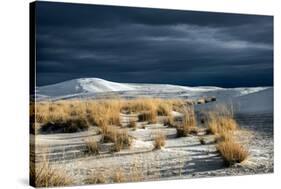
(232, 152)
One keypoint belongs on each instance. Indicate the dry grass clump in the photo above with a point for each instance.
(80, 114)
(62, 116)
(100, 112)
(222, 124)
(140, 105)
(118, 176)
(150, 108)
(148, 116)
(120, 138)
(232, 152)
(44, 175)
(159, 140)
(54, 111)
(95, 112)
(164, 109)
(188, 123)
(221, 121)
(92, 146)
(224, 136)
(65, 126)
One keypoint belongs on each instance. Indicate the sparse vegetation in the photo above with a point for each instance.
(118, 176)
(232, 152)
(159, 140)
(148, 116)
(92, 146)
(65, 126)
(164, 109)
(74, 115)
(44, 175)
(188, 125)
(120, 138)
(219, 124)
(222, 124)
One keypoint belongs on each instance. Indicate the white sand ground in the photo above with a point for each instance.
(181, 157)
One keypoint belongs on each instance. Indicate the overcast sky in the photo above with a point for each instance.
(138, 45)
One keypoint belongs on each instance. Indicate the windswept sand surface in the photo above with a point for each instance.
(182, 157)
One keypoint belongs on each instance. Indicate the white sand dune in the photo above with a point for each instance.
(84, 85)
(261, 101)
(87, 87)
(246, 99)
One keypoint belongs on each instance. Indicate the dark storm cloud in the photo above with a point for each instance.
(153, 46)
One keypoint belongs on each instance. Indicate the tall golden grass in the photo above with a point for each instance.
(119, 137)
(222, 124)
(232, 152)
(45, 175)
(92, 146)
(103, 112)
(188, 125)
(221, 120)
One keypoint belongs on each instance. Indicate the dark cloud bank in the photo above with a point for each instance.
(152, 46)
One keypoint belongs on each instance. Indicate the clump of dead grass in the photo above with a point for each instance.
(65, 126)
(164, 109)
(119, 176)
(159, 140)
(92, 146)
(222, 124)
(188, 125)
(147, 116)
(57, 114)
(44, 175)
(119, 137)
(232, 152)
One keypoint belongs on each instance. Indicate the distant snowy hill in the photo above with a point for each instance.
(87, 87)
(246, 99)
(80, 86)
(261, 101)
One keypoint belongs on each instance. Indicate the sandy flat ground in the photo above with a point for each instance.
(182, 157)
